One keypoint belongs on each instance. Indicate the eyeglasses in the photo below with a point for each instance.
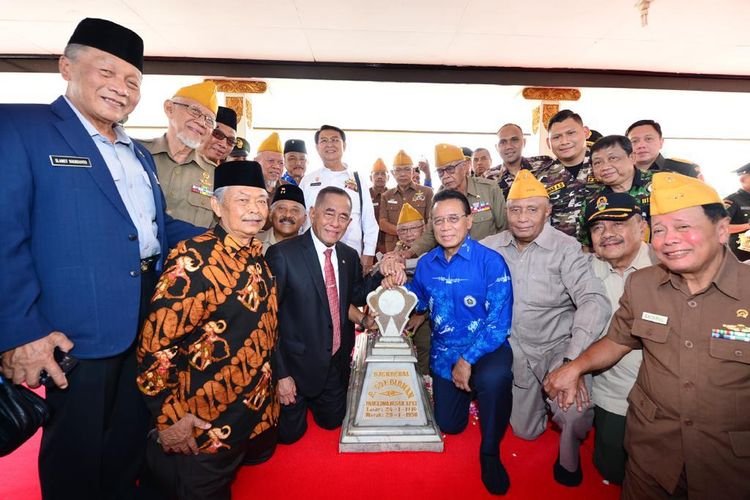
(450, 219)
(450, 170)
(331, 140)
(221, 136)
(407, 230)
(195, 112)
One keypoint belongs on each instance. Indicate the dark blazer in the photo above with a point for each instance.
(69, 250)
(305, 326)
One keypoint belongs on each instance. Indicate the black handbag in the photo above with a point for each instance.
(22, 412)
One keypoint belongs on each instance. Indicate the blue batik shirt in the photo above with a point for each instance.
(470, 299)
(288, 178)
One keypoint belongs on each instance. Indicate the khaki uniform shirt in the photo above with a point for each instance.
(487, 206)
(612, 386)
(187, 187)
(419, 197)
(690, 405)
(559, 305)
(376, 196)
(267, 238)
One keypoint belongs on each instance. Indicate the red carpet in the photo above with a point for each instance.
(313, 468)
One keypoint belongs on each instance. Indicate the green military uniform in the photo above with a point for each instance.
(505, 177)
(567, 194)
(187, 187)
(640, 190)
(487, 206)
(738, 207)
(419, 197)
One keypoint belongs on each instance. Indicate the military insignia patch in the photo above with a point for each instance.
(601, 203)
(742, 313)
(418, 196)
(470, 301)
(351, 184)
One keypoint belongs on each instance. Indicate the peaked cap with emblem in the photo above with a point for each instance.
(239, 173)
(447, 153)
(525, 185)
(671, 191)
(271, 143)
(111, 38)
(745, 169)
(408, 214)
(402, 160)
(612, 206)
(289, 192)
(241, 148)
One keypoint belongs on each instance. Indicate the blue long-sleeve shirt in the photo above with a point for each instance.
(470, 299)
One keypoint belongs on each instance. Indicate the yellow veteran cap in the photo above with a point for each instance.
(402, 160)
(379, 166)
(671, 191)
(408, 214)
(271, 143)
(203, 93)
(526, 185)
(447, 153)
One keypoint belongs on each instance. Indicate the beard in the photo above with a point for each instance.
(191, 143)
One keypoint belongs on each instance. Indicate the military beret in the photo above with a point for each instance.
(110, 37)
(594, 136)
(239, 173)
(295, 146)
(241, 148)
(289, 192)
(612, 206)
(227, 116)
(468, 152)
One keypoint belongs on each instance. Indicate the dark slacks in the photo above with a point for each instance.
(609, 452)
(206, 476)
(94, 445)
(491, 382)
(328, 407)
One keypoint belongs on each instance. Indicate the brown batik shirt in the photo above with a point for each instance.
(205, 347)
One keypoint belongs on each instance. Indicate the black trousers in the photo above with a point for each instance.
(94, 445)
(328, 407)
(206, 476)
(609, 453)
(491, 382)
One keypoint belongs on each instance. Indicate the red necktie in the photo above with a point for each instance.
(333, 301)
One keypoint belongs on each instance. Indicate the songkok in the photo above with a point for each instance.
(241, 148)
(239, 173)
(379, 166)
(447, 153)
(227, 116)
(526, 185)
(203, 93)
(612, 206)
(402, 160)
(745, 169)
(272, 143)
(409, 214)
(289, 192)
(110, 37)
(671, 191)
(468, 153)
(295, 146)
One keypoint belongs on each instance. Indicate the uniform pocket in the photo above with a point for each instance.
(650, 331)
(641, 403)
(730, 350)
(740, 441)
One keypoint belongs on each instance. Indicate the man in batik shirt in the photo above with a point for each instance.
(205, 348)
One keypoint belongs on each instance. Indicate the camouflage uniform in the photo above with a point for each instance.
(640, 190)
(505, 178)
(566, 193)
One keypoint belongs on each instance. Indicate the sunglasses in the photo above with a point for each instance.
(221, 136)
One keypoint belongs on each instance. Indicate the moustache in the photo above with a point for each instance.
(612, 240)
(287, 220)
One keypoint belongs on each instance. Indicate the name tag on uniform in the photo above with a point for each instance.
(69, 161)
(393, 202)
(655, 318)
(315, 184)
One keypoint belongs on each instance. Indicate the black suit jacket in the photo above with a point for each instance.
(305, 325)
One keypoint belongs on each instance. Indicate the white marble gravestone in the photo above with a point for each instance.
(388, 408)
